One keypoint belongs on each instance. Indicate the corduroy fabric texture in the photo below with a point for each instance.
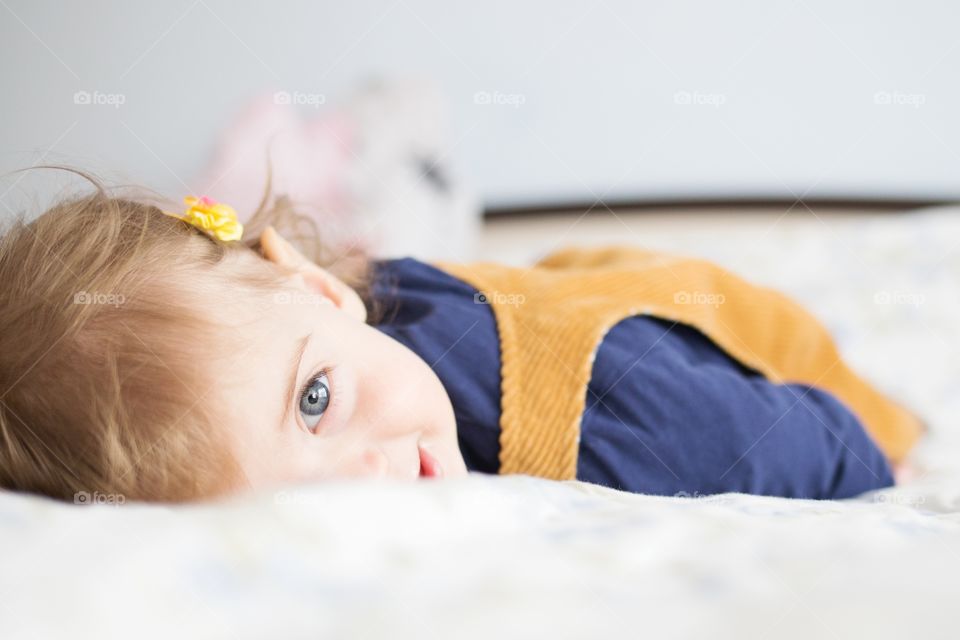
(552, 316)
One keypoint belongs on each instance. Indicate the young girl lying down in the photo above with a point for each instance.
(170, 355)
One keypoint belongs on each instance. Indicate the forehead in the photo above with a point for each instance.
(274, 318)
(268, 309)
(251, 290)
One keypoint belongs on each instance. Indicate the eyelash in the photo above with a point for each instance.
(334, 397)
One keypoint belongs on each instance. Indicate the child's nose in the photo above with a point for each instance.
(374, 463)
(360, 461)
(388, 460)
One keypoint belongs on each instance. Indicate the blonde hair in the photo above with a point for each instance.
(105, 313)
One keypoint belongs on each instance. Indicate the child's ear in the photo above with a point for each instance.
(277, 250)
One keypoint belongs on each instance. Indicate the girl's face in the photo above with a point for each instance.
(324, 395)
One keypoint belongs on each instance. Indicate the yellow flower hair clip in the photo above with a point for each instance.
(215, 218)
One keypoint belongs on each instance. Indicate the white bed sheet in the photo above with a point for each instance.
(516, 556)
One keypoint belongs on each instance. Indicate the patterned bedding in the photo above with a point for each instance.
(516, 556)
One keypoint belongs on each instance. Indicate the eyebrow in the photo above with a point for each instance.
(292, 382)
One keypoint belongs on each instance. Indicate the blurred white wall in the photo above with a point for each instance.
(551, 101)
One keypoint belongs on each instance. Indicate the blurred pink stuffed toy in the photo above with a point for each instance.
(372, 171)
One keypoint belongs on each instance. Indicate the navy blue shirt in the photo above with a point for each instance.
(667, 411)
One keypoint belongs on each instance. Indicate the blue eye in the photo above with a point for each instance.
(314, 400)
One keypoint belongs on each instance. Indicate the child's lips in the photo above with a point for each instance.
(429, 465)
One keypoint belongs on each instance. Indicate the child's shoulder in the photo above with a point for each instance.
(408, 274)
